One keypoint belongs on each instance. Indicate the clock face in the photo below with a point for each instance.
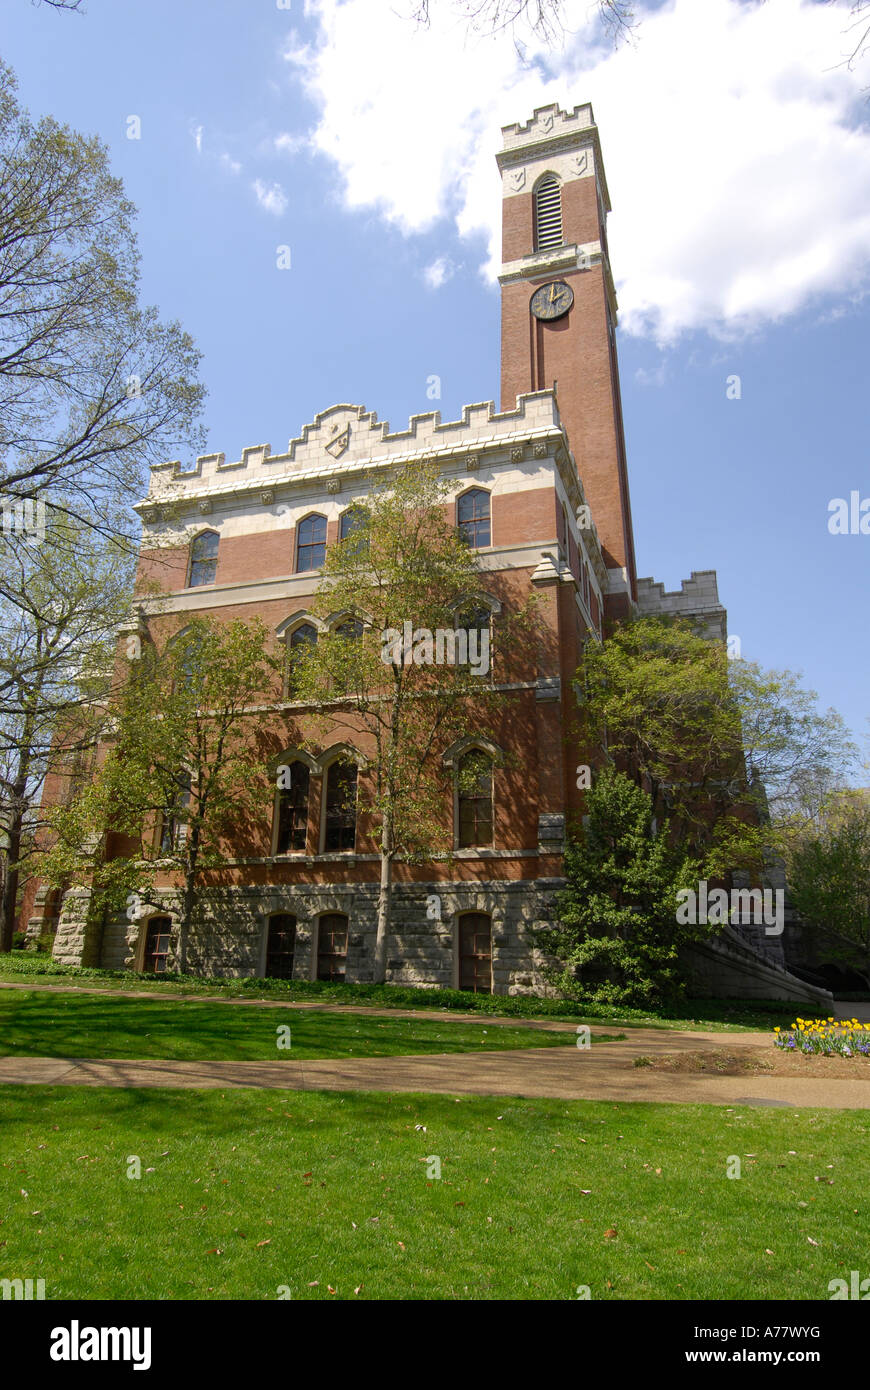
(552, 301)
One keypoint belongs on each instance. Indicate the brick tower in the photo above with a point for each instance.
(559, 312)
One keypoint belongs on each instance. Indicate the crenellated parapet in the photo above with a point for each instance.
(697, 597)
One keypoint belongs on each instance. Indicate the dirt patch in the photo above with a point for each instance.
(759, 1061)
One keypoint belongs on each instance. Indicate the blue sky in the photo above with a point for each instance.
(737, 150)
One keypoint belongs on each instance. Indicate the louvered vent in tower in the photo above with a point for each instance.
(548, 214)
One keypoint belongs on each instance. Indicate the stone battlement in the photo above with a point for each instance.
(348, 437)
(548, 123)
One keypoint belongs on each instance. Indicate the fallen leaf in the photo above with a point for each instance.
(609, 1234)
(264, 1242)
(330, 1289)
(314, 1283)
(401, 1244)
(768, 1252)
(811, 1241)
(358, 1289)
(214, 1251)
(649, 1266)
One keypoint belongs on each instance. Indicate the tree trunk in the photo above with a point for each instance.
(380, 962)
(10, 884)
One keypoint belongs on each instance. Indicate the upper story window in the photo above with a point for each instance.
(301, 637)
(173, 821)
(354, 522)
(203, 559)
(472, 517)
(310, 543)
(291, 811)
(474, 800)
(339, 829)
(548, 213)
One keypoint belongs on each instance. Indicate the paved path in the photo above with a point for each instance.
(604, 1072)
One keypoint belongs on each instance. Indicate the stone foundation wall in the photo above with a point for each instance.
(230, 937)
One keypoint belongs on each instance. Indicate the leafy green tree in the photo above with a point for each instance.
(60, 602)
(722, 746)
(404, 570)
(93, 387)
(829, 872)
(617, 938)
(182, 773)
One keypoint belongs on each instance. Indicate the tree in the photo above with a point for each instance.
(544, 18)
(722, 746)
(402, 577)
(181, 772)
(617, 937)
(93, 387)
(60, 602)
(829, 871)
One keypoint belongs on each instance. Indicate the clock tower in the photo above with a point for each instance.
(559, 312)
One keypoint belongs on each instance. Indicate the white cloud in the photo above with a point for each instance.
(652, 376)
(271, 197)
(285, 143)
(231, 165)
(196, 132)
(439, 272)
(737, 151)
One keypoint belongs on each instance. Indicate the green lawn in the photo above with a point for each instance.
(252, 1191)
(716, 1015)
(44, 1024)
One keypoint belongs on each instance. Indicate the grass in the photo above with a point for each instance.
(712, 1015)
(43, 1024)
(248, 1193)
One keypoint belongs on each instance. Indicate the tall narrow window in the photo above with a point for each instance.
(332, 946)
(472, 516)
(173, 822)
(292, 811)
(475, 952)
(474, 795)
(548, 213)
(340, 807)
(158, 932)
(310, 543)
(354, 522)
(300, 637)
(203, 559)
(280, 946)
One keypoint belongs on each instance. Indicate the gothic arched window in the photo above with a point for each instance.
(291, 811)
(474, 799)
(301, 637)
(339, 828)
(311, 543)
(472, 517)
(203, 559)
(354, 522)
(548, 213)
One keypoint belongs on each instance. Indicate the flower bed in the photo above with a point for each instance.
(825, 1037)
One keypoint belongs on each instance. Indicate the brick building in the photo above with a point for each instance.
(541, 489)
